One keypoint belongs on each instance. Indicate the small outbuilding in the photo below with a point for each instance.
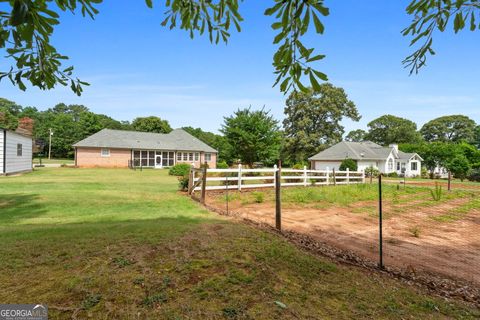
(15, 152)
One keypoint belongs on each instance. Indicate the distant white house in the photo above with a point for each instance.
(366, 154)
(15, 152)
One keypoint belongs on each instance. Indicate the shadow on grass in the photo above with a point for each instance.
(15, 207)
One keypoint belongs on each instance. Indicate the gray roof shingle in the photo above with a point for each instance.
(366, 150)
(178, 139)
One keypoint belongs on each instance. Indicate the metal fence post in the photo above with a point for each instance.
(304, 176)
(449, 181)
(239, 177)
(278, 202)
(380, 221)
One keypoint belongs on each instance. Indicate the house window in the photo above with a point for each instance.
(390, 165)
(197, 156)
(105, 152)
(190, 156)
(179, 156)
(185, 156)
(413, 166)
(208, 157)
(19, 149)
(398, 166)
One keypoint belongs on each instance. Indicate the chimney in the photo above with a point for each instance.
(25, 126)
(394, 146)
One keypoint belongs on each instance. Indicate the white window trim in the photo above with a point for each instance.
(209, 155)
(105, 155)
(197, 156)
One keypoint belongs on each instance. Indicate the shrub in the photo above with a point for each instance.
(298, 166)
(348, 164)
(424, 173)
(392, 175)
(222, 165)
(183, 182)
(181, 169)
(371, 172)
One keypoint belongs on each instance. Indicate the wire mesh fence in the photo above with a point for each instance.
(420, 229)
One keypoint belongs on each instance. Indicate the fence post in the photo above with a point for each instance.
(226, 190)
(274, 175)
(380, 218)
(204, 182)
(305, 176)
(278, 202)
(334, 178)
(449, 181)
(327, 174)
(363, 175)
(190, 181)
(239, 177)
(348, 175)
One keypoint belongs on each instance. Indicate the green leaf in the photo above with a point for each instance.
(318, 24)
(149, 3)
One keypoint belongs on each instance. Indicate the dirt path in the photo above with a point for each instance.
(412, 240)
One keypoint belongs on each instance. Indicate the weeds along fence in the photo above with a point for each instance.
(243, 178)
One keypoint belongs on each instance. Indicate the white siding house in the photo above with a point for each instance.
(368, 154)
(15, 152)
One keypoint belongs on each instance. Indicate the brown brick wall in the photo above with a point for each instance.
(92, 157)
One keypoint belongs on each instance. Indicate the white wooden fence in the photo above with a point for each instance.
(242, 178)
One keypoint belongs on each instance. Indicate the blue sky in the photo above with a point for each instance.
(138, 68)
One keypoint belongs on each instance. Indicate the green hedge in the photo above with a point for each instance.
(180, 170)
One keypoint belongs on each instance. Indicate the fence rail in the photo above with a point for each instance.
(241, 178)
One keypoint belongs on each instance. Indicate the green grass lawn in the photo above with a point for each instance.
(122, 244)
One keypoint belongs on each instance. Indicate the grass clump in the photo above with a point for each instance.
(258, 196)
(91, 301)
(415, 231)
(437, 192)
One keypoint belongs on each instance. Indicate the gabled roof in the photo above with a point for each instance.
(365, 150)
(178, 139)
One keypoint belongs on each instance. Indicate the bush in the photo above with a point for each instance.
(180, 170)
(392, 175)
(371, 172)
(424, 173)
(222, 165)
(348, 164)
(183, 182)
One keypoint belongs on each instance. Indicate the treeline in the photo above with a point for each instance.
(450, 142)
(312, 123)
(70, 124)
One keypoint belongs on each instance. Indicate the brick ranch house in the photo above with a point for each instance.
(119, 148)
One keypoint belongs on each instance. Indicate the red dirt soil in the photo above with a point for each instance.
(450, 249)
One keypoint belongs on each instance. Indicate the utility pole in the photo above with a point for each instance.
(50, 144)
